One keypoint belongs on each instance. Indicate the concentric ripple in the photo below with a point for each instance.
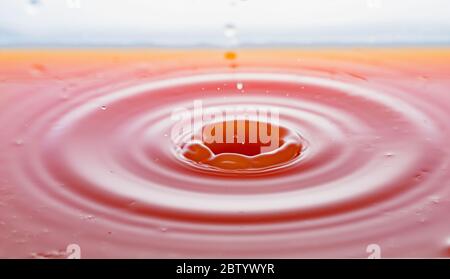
(361, 152)
(347, 161)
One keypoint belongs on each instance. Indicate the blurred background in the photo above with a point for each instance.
(221, 23)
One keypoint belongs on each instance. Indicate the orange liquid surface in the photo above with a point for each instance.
(87, 157)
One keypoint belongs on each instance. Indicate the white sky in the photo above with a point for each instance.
(197, 22)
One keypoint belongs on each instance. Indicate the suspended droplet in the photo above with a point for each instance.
(18, 142)
(239, 85)
(435, 199)
(88, 217)
(64, 97)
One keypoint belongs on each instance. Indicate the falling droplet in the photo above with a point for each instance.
(230, 55)
(230, 31)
